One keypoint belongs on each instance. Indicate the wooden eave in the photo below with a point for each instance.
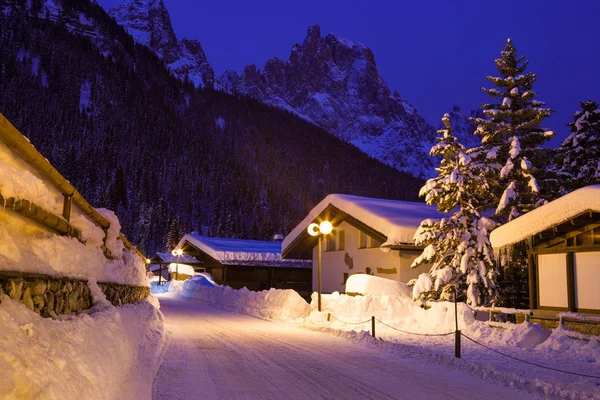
(555, 235)
(301, 247)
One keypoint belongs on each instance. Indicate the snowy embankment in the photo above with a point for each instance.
(104, 352)
(274, 304)
(350, 317)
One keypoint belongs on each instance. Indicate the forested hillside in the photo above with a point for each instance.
(165, 155)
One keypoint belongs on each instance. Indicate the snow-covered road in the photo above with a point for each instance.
(216, 354)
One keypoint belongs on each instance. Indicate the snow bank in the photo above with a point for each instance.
(374, 285)
(25, 247)
(273, 304)
(397, 311)
(106, 353)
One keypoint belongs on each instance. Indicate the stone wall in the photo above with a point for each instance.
(50, 296)
(119, 294)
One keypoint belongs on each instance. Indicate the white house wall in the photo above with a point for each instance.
(335, 265)
(552, 280)
(587, 282)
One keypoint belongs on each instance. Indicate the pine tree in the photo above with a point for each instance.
(511, 136)
(578, 157)
(511, 159)
(457, 245)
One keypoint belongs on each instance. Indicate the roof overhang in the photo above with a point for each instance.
(301, 247)
(560, 217)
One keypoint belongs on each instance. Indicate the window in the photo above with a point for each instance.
(375, 242)
(341, 239)
(362, 240)
(330, 242)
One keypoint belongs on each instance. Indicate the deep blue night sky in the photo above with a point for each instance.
(435, 53)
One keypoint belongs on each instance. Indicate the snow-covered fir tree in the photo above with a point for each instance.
(458, 245)
(511, 159)
(578, 157)
(511, 138)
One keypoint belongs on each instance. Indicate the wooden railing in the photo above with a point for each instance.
(19, 144)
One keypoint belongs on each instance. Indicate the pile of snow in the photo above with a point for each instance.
(368, 284)
(173, 286)
(272, 304)
(344, 312)
(105, 353)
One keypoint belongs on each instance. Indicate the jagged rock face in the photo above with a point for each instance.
(149, 23)
(462, 128)
(335, 84)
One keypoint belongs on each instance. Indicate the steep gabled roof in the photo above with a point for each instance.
(241, 251)
(568, 207)
(392, 221)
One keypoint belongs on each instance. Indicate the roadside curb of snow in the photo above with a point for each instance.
(486, 371)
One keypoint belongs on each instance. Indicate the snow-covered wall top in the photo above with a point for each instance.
(235, 251)
(30, 248)
(547, 216)
(397, 220)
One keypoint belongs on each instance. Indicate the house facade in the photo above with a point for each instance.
(369, 236)
(256, 265)
(563, 245)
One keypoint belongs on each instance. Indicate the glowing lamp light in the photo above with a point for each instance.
(147, 261)
(325, 227)
(177, 252)
(313, 229)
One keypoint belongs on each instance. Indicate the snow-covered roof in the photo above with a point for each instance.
(397, 220)
(183, 259)
(174, 267)
(241, 251)
(547, 216)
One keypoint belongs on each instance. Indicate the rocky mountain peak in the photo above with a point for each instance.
(149, 23)
(334, 83)
(462, 128)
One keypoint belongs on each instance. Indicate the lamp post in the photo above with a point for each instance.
(177, 253)
(324, 228)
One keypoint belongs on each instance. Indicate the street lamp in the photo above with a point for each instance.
(177, 253)
(324, 228)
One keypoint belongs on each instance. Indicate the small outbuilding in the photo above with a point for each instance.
(254, 264)
(168, 266)
(563, 244)
(370, 235)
